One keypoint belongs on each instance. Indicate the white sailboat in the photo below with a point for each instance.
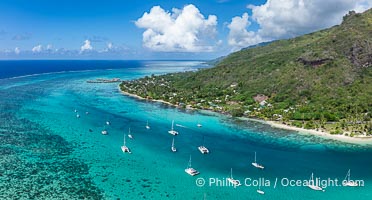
(147, 125)
(255, 164)
(203, 149)
(75, 110)
(173, 148)
(199, 125)
(104, 131)
(124, 148)
(314, 185)
(259, 191)
(108, 123)
(348, 182)
(191, 171)
(233, 181)
(172, 131)
(129, 134)
(77, 115)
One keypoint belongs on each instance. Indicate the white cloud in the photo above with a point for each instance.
(109, 45)
(37, 49)
(182, 30)
(17, 50)
(280, 19)
(49, 47)
(86, 47)
(239, 36)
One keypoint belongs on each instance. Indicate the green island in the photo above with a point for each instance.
(319, 81)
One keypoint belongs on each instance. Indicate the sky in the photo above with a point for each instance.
(157, 30)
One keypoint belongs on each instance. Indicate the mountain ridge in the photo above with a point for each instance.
(324, 76)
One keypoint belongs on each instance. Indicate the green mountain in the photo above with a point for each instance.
(319, 80)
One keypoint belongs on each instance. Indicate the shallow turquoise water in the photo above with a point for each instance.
(49, 153)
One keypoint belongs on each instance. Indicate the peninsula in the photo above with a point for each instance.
(321, 81)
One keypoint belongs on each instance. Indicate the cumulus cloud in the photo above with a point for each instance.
(37, 49)
(278, 19)
(17, 50)
(239, 36)
(86, 47)
(182, 30)
(49, 47)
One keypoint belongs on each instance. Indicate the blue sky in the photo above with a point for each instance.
(127, 29)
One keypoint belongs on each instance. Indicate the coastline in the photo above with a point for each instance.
(325, 135)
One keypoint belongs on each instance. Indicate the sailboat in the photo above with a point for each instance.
(199, 125)
(77, 115)
(124, 148)
(233, 181)
(172, 131)
(108, 123)
(104, 131)
(255, 164)
(259, 191)
(147, 125)
(348, 182)
(75, 110)
(314, 185)
(173, 148)
(130, 135)
(191, 171)
(203, 149)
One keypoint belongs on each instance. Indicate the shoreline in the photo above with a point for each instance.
(274, 124)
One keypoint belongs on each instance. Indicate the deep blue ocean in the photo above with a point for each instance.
(46, 152)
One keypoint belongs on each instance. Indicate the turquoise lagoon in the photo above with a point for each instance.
(48, 153)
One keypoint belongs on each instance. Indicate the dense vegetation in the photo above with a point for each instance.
(321, 80)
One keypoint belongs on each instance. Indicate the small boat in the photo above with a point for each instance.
(233, 181)
(147, 125)
(77, 116)
(259, 191)
(199, 125)
(130, 135)
(173, 148)
(108, 123)
(75, 110)
(191, 171)
(314, 185)
(104, 132)
(203, 149)
(124, 148)
(255, 164)
(348, 182)
(86, 113)
(172, 131)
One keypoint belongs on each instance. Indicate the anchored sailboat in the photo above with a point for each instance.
(348, 182)
(255, 164)
(191, 171)
(233, 181)
(172, 131)
(173, 148)
(259, 191)
(147, 125)
(124, 148)
(130, 135)
(314, 185)
(104, 131)
(203, 149)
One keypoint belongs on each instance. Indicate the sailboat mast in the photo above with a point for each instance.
(190, 162)
(255, 157)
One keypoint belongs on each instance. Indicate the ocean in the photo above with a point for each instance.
(49, 153)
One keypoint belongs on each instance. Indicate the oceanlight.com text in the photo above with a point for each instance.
(275, 182)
